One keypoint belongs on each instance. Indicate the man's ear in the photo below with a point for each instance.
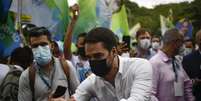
(51, 45)
(114, 51)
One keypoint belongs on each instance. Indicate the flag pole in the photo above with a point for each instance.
(19, 23)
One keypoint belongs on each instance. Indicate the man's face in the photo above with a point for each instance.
(100, 59)
(144, 40)
(80, 42)
(178, 44)
(155, 39)
(146, 35)
(188, 44)
(39, 41)
(96, 51)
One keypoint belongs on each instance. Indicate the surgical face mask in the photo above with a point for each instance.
(42, 54)
(155, 45)
(100, 67)
(145, 43)
(187, 51)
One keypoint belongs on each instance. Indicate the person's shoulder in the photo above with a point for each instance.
(140, 60)
(127, 61)
(191, 56)
(25, 73)
(89, 82)
(3, 67)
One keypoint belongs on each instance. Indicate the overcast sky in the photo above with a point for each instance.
(152, 3)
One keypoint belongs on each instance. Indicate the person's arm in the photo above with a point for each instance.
(82, 92)
(24, 92)
(188, 88)
(142, 84)
(68, 36)
(74, 81)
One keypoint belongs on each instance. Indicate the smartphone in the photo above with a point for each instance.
(60, 91)
(127, 40)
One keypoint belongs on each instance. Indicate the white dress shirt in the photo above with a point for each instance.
(133, 82)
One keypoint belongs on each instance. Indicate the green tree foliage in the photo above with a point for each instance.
(149, 18)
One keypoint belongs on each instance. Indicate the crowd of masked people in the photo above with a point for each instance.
(155, 68)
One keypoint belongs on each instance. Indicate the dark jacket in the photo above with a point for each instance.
(192, 66)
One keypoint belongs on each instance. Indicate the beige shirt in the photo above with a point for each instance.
(57, 77)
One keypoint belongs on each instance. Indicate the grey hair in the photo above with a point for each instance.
(171, 35)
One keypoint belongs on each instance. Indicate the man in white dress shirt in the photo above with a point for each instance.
(115, 78)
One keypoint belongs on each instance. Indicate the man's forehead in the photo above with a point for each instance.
(42, 38)
(144, 34)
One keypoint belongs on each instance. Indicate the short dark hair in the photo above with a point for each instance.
(156, 36)
(141, 31)
(22, 56)
(39, 31)
(81, 35)
(104, 35)
(171, 36)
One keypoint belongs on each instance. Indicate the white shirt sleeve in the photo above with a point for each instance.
(74, 81)
(142, 84)
(83, 92)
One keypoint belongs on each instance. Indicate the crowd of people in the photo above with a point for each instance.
(156, 68)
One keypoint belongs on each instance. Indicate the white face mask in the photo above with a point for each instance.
(155, 45)
(42, 54)
(145, 43)
(187, 51)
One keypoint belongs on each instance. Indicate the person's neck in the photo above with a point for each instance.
(110, 77)
(168, 51)
(47, 68)
(143, 51)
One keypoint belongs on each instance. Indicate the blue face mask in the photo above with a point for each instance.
(42, 54)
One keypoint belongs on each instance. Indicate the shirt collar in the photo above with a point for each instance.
(164, 57)
(120, 65)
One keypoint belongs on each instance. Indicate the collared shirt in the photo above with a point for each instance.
(133, 82)
(55, 79)
(164, 79)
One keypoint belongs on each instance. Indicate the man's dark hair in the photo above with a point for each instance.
(171, 36)
(104, 35)
(141, 31)
(156, 36)
(81, 35)
(39, 31)
(22, 56)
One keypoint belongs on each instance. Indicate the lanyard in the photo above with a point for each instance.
(48, 84)
(175, 67)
